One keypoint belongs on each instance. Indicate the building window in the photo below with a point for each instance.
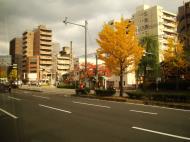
(145, 13)
(146, 20)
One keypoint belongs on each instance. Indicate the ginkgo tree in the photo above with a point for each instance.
(119, 48)
(174, 63)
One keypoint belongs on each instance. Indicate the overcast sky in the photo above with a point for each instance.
(16, 16)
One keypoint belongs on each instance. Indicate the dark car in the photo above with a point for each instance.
(5, 87)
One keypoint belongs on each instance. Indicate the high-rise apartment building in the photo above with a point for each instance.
(15, 50)
(183, 27)
(43, 49)
(28, 46)
(157, 22)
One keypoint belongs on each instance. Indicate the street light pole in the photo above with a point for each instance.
(85, 27)
(85, 46)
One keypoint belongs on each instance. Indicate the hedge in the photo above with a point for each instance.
(160, 96)
(66, 86)
(108, 92)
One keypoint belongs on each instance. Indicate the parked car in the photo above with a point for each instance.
(5, 87)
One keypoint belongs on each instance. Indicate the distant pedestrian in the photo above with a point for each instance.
(9, 88)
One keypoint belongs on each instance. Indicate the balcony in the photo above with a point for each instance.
(48, 48)
(45, 62)
(45, 33)
(45, 58)
(24, 51)
(169, 31)
(45, 43)
(169, 24)
(45, 38)
(45, 53)
(63, 58)
(169, 18)
(63, 67)
(24, 41)
(63, 62)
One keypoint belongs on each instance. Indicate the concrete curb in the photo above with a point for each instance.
(143, 102)
(30, 90)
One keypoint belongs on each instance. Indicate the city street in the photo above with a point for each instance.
(27, 116)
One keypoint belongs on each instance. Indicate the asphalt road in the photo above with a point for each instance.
(38, 117)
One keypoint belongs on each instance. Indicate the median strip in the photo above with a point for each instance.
(41, 97)
(161, 133)
(161, 107)
(58, 109)
(17, 99)
(144, 112)
(91, 104)
(9, 114)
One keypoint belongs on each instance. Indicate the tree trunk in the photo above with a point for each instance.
(121, 83)
(177, 80)
(144, 78)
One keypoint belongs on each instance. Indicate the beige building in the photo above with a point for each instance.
(64, 61)
(157, 22)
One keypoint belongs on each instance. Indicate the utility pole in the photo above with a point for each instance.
(85, 46)
(85, 28)
(96, 70)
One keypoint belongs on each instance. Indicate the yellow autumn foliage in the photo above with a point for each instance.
(174, 56)
(119, 46)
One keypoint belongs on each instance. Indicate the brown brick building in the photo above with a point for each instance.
(37, 54)
(15, 50)
(183, 28)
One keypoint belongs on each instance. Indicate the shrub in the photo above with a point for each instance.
(135, 95)
(83, 91)
(175, 97)
(66, 86)
(108, 92)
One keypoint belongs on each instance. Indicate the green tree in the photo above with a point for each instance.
(119, 48)
(12, 75)
(149, 65)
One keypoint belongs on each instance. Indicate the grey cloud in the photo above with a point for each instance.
(18, 15)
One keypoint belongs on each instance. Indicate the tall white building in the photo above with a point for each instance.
(157, 22)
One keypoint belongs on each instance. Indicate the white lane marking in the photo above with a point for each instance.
(58, 109)
(152, 113)
(41, 97)
(9, 114)
(159, 107)
(161, 133)
(91, 104)
(17, 99)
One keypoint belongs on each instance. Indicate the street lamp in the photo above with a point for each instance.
(85, 27)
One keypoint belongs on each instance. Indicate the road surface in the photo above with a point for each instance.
(27, 116)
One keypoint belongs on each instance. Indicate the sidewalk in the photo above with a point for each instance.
(50, 90)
